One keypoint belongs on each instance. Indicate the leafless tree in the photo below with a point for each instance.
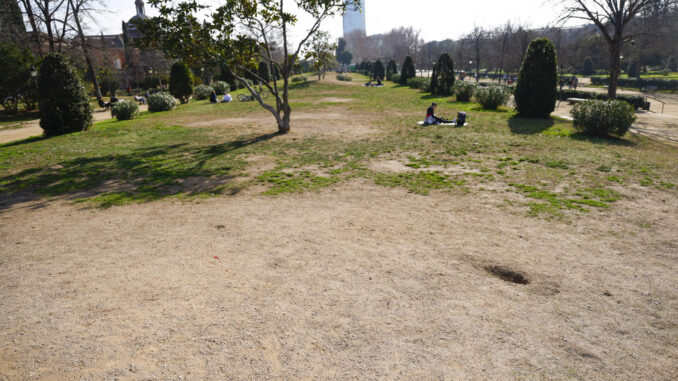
(478, 39)
(613, 19)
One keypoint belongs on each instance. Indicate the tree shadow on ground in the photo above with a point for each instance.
(20, 117)
(528, 126)
(603, 140)
(24, 141)
(145, 174)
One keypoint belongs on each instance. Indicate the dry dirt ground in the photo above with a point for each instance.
(354, 282)
(32, 128)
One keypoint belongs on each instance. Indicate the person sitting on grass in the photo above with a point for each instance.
(227, 98)
(213, 97)
(431, 117)
(139, 99)
(379, 82)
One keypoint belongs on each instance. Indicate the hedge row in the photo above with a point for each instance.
(661, 84)
(636, 101)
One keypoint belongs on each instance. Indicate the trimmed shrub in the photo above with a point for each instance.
(491, 97)
(64, 105)
(395, 78)
(408, 71)
(221, 87)
(202, 92)
(161, 102)
(537, 80)
(391, 70)
(344, 77)
(419, 83)
(603, 118)
(181, 82)
(124, 110)
(639, 83)
(378, 70)
(299, 78)
(588, 67)
(635, 101)
(442, 79)
(464, 90)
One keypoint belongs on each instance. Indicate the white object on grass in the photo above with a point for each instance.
(421, 123)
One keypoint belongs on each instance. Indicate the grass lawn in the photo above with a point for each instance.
(164, 155)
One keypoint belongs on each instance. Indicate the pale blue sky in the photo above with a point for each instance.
(436, 19)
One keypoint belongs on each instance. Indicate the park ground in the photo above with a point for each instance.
(198, 244)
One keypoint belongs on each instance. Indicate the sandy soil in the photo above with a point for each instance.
(32, 128)
(354, 282)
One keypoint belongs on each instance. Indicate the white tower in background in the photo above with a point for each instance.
(354, 19)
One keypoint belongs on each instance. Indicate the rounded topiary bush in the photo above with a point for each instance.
(221, 87)
(408, 71)
(491, 97)
(161, 102)
(395, 78)
(202, 92)
(464, 90)
(299, 78)
(537, 80)
(378, 70)
(603, 118)
(419, 83)
(391, 70)
(344, 77)
(124, 110)
(64, 105)
(181, 82)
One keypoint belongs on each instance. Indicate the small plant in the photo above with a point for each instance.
(603, 118)
(464, 90)
(221, 87)
(202, 92)
(161, 102)
(299, 78)
(125, 110)
(344, 77)
(491, 97)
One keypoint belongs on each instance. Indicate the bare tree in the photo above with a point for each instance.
(80, 9)
(613, 18)
(478, 39)
(502, 38)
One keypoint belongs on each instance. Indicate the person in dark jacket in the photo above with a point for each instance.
(431, 117)
(213, 97)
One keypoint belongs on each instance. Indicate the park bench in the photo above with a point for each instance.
(575, 100)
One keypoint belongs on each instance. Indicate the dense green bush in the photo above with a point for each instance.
(264, 72)
(395, 78)
(202, 92)
(161, 102)
(299, 78)
(672, 64)
(391, 70)
(639, 83)
(15, 82)
(221, 87)
(408, 71)
(378, 70)
(537, 80)
(602, 118)
(125, 110)
(634, 69)
(420, 83)
(181, 82)
(491, 97)
(464, 90)
(64, 105)
(442, 79)
(344, 77)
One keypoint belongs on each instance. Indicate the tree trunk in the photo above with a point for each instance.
(34, 26)
(615, 65)
(88, 59)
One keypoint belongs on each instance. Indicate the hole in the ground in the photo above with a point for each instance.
(507, 274)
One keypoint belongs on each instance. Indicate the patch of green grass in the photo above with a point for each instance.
(554, 202)
(294, 182)
(417, 182)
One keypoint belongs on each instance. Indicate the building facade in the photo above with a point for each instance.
(354, 20)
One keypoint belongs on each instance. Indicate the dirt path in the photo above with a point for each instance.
(32, 128)
(355, 282)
